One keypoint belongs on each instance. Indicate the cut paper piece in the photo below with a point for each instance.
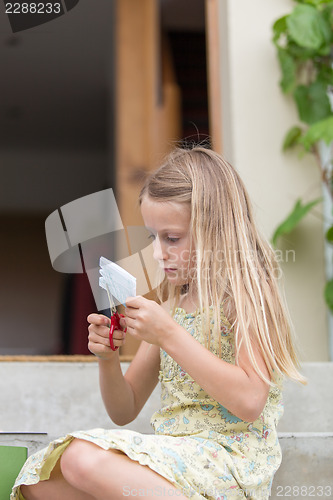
(133, 265)
(116, 281)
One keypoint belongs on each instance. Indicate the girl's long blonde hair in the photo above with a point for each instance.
(235, 265)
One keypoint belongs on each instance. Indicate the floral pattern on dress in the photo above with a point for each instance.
(199, 445)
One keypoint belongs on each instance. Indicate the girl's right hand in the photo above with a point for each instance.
(99, 342)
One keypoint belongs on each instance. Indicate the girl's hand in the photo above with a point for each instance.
(146, 320)
(99, 343)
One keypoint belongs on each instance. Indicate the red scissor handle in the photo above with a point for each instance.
(115, 325)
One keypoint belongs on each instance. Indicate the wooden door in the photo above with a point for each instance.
(147, 106)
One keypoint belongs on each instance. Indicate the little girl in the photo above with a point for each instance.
(220, 344)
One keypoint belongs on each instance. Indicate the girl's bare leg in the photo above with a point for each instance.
(56, 488)
(110, 475)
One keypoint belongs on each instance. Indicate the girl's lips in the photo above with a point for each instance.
(168, 269)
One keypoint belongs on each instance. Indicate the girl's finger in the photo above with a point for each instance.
(102, 351)
(102, 331)
(98, 339)
(98, 319)
(130, 313)
(134, 302)
(118, 336)
(130, 322)
(122, 322)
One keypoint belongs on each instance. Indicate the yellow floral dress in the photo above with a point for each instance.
(198, 445)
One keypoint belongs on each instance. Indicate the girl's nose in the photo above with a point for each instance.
(159, 253)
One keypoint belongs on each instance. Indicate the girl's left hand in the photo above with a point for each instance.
(146, 320)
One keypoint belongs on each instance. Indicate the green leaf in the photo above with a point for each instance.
(314, 2)
(325, 50)
(307, 27)
(327, 14)
(320, 131)
(328, 294)
(288, 69)
(329, 235)
(279, 27)
(325, 74)
(300, 53)
(312, 102)
(298, 212)
(291, 138)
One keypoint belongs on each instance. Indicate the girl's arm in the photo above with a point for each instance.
(123, 396)
(238, 388)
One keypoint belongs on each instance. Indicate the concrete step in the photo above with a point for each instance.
(306, 470)
(307, 462)
(34, 441)
(309, 408)
(75, 403)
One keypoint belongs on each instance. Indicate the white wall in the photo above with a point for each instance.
(256, 116)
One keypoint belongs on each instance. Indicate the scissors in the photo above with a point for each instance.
(115, 321)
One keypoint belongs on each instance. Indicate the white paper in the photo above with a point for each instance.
(116, 281)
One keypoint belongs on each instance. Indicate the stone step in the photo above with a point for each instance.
(34, 441)
(75, 403)
(309, 408)
(306, 470)
(307, 462)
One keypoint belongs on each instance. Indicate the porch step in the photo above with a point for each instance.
(306, 469)
(32, 441)
(307, 462)
(30, 407)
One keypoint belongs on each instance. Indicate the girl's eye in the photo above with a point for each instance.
(167, 238)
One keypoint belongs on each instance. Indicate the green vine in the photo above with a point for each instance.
(304, 44)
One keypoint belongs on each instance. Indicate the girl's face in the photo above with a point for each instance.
(168, 223)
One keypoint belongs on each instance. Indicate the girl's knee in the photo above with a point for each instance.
(73, 462)
(77, 462)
